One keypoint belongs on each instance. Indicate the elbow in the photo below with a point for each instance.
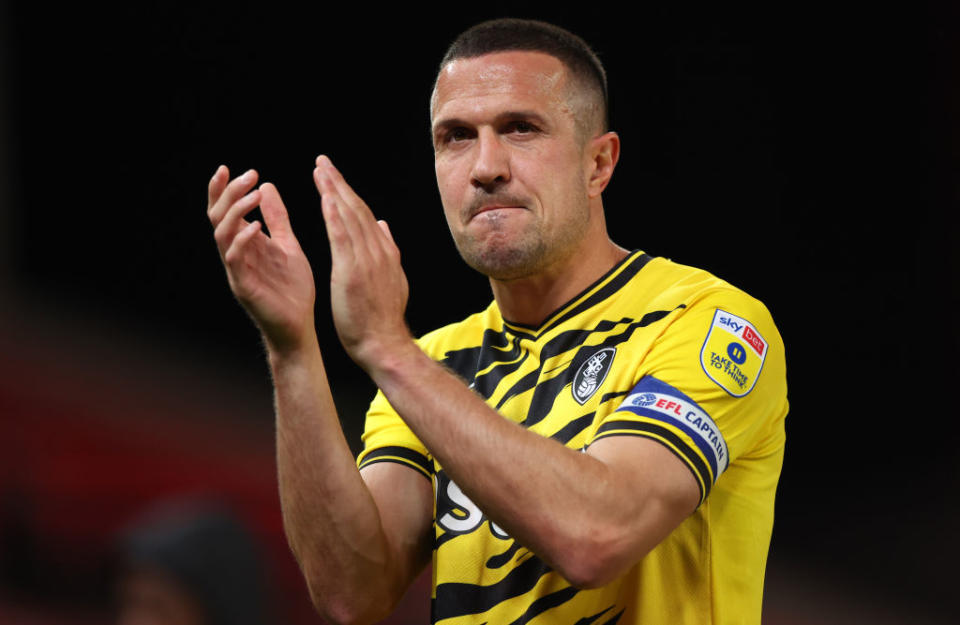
(345, 608)
(588, 573)
(338, 612)
(345, 615)
(596, 561)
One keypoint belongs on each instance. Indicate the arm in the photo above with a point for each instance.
(590, 516)
(356, 567)
(547, 498)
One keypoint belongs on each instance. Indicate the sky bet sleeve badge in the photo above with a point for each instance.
(733, 353)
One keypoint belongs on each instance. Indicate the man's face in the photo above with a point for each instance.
(510, 164)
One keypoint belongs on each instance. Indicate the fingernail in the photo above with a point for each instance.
(247, 176)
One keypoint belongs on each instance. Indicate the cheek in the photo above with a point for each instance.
(449, 184)
(448, 198)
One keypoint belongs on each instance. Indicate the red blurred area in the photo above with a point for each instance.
(94, 431)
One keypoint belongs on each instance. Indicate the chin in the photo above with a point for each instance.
(504, 262)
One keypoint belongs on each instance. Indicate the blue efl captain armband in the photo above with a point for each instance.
(661, 412)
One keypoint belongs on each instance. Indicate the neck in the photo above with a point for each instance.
(530, 299)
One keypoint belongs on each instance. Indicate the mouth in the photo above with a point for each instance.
(493, 208)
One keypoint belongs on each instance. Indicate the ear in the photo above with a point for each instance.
(604, 152)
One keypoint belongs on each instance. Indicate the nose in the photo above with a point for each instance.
(492, 165)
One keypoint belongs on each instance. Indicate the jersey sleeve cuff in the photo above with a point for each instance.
(667, 438)
(661, 412)
(400, 455)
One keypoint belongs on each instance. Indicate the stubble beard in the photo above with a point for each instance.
(503, 255)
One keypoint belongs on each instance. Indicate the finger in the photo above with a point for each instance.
(234, 220)
(386, 230)
(341, 245)
(344, 190)
(235, 251)
(337, 213)
(389, 243)
(356, 217)
(236, 189)
(217, 183)
(274, 211)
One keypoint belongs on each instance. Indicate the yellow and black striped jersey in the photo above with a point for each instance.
(653, 349)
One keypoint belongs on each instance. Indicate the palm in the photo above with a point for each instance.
(269, 275)
(273, 281)
(368, 288)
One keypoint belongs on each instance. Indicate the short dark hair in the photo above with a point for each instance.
(508, 34)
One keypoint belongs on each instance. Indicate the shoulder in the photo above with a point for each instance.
(719, 336)
(698, 292)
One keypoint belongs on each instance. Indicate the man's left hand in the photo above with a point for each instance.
(368, 288)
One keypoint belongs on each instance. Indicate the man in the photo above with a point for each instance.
(602, 444)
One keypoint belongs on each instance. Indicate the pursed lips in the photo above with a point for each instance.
(493, 207)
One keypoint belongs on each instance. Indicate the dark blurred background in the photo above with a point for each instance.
(806, 154)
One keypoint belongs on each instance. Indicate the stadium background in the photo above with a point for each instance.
(807, 155)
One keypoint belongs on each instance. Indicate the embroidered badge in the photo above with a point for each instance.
(591, 374)
(733, 353)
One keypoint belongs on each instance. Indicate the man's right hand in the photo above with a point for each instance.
(269, 275)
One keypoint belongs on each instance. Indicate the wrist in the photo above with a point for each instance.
(390, 364)
(292, 352)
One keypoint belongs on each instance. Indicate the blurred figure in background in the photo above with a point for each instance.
(189, 563)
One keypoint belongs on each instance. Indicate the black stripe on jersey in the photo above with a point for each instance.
(641, 428)
(652, 317)
(547, 391)
(657, 315)
(564, 342)
(567, 432)
(616, 617)
(495, 562)
(469, 361)
(458, 599)
(488, 382)
(400, 455)
(463, 362)
(494, 349)
(607, 397)
(544, 603)
(587, 620)
(608, 289)
(630, 267)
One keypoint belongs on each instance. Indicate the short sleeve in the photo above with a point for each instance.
(711, 388)
(386, 438)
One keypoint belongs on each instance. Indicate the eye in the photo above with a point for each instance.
(521, 127)
(457, 134)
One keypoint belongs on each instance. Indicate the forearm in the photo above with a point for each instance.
(564, 505)
(331, 520)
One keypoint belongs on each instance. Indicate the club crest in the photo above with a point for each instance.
(591, 374)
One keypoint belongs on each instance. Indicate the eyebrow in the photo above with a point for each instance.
(454, 122)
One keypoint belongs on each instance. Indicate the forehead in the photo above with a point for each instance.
(518, 78)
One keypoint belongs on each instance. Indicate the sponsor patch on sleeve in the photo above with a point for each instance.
(658, 400)
(733, 353)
